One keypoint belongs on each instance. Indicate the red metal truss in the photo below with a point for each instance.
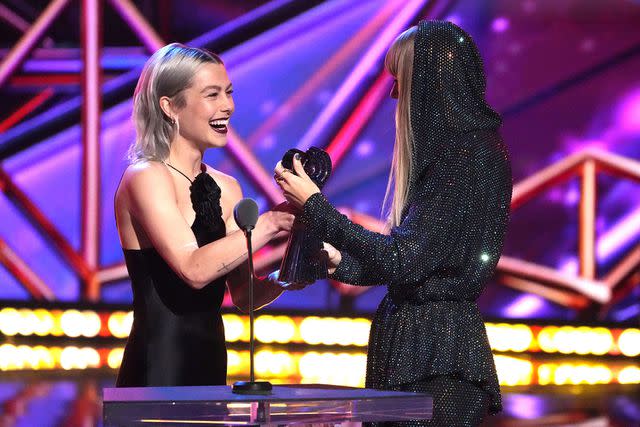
(36, 287)
(86, 265)
(26, 109)
(91, 106)
(41, 223)
(29, 39)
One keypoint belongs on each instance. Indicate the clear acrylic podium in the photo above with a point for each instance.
(288, 404)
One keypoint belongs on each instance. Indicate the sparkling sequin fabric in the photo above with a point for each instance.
(438, 260)
(459, 403)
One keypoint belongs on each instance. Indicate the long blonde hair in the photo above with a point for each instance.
(168, 72)
(399, 63)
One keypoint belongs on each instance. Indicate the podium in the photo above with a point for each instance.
(288, 404)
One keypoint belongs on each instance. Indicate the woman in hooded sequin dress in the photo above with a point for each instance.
(451, 188)
(175, 222)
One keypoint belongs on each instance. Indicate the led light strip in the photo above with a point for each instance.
(339, 368)
(326, 331)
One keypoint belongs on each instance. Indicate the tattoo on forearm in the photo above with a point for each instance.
(227, 267)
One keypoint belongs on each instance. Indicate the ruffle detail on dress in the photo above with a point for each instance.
(205, 199)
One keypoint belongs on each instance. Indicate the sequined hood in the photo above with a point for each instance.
(447, 92)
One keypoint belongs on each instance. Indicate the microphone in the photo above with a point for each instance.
(245, 213)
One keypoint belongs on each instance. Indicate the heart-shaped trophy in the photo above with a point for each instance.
(304, 261)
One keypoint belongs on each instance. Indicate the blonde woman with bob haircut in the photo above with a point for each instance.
(450, 188)
(175, 222)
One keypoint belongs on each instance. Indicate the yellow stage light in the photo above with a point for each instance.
(513, 370)
(629, 375)
(69, 358)
(27, 322)
(629, 342)
(601, 341)
(546, 339)
(277, 364)
(79, 358)
(119, 324)
(564, 339)
(331, 368)
(237, 362)
(71, 323)
(44, 357)
(57, 331)
(10, 321)
(505, 337)
(280, 329)
(361, 328)
(45, 322)
(114, 359)
(311, 330)
(308, 363)
(233, 327)
(91, 324)
(545, 373)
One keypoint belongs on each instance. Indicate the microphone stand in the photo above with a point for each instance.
(252, 386)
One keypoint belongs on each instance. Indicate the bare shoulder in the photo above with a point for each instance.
(142, 180)
(145, 173)
(227, 183)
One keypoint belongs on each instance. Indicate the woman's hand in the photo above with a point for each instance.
(333, 257)
(286, 207)
(273, 278)
(297, 187)
(275, 221)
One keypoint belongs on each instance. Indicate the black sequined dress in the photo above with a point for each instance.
(438, 260)
(177, 338)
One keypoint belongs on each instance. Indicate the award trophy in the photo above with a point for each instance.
(304, 261)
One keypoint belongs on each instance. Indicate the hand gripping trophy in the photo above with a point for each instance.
(304, 260)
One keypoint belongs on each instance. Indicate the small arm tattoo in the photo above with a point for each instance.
(227, 267)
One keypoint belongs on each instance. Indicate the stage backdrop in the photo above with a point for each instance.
(563, 74)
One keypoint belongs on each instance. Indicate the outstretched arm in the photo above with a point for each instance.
(419, 246)
(151, 200)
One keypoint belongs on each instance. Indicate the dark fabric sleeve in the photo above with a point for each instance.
(351, 271)
(419, 246)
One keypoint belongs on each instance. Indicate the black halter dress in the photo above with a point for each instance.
(177, 337)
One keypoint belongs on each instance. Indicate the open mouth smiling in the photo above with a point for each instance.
(220, 125)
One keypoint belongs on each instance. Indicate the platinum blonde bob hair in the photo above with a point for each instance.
(168, 72)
